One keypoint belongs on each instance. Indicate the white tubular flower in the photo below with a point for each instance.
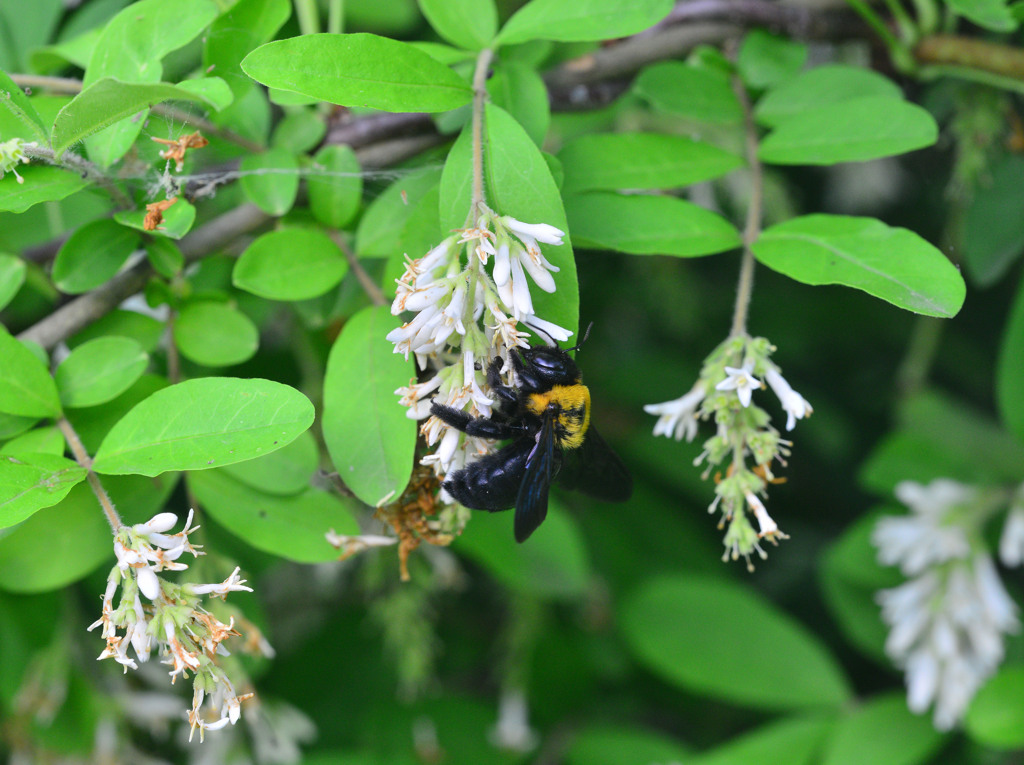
(925, 538)
(742, 381)
(512, 732)
(552, 330)
(947, 633)
(350, 545)
(234, 583)
(678, 418)
(795, 405)
(542, 232)
(1011, 542)
(767, 526)
(417, 396)
(12, 152)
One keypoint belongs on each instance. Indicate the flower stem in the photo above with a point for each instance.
(308, 15)
(82, 458)
(752, 227)
(483, 64)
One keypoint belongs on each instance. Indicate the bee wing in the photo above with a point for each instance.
(532, 501)
(596, 470)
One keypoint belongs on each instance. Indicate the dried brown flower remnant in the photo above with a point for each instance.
(155, 213)
(176, 149)
(414, 517)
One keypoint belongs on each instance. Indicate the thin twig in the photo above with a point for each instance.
(752, 227)
(369, 286)
(82, 458)
(83, 167)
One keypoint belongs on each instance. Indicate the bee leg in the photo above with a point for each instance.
(507, 395)
(475, 426)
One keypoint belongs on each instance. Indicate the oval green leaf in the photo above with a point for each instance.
(849, 131)
(270, 180)
(613, 161)
(617, 744)
(690, 91)
(882, 732)
(291, 527)
(290, 264)
(990, 14)
(695, 633)
(996, 716)
(237, 31)
(765, 59)
(32, 481)
(177, 221)
(370, 439)
(582, 20)
(822, 86)
(993, 240)
(215, 334)
(641, 224)
(42, 183)
(468, 24)
(109, 100)
(519, 90)
(12, 276)
(359, 70)
(100, 370)
(794, 740)
(286, 471)
(335, 187)
(204, 423)
(1010, 371)
(893, 264)
(58, 545)
(92, 255)
(380, 228)
(45, 440)
(26, 387)
(14, 100)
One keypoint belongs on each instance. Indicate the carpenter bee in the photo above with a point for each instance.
(547, 416)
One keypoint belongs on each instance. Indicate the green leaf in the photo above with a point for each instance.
(99, 370)
(996, 716)
(520, 184)
(791, 740)
(204, 423)
(336, 188)
(520, 90)
(12, 276)
(1010, 371)
(612, 161)
(893, 264)
(822, 86)
(765, 59)
(301, 131)
(271, 180)
(469, 24)
(370, 439)
(849, 131)
(145, 330)
(582, 20)
(647, 225)
(882, 732)
(107, 101)
(26, 387)
(314, 265)
(359, 70)
(291, 527)
(993, 240)
(690, 91)
(694, 632)
(177, 221)
(165, 257)
(58, 545)
(92, 255)
(215, 334)
(45, 440)
(41, 183)
(990, 14)
(618, 744)
(14, 100)
(12, 425)
(286, 471)
(553, 565)
(29, 482)
(380, 228)
(237, 31)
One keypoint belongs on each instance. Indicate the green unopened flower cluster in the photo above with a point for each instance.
(744, 440)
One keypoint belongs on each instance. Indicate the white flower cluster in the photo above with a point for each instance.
(948, 620)
(170, 618)
(466, 316)
(12, 152)
(724, 394)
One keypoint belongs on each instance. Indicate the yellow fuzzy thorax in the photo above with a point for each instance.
(572, 415)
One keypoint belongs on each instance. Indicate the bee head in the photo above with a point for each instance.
(538, 369)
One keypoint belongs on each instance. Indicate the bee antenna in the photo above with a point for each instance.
(586, 334)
